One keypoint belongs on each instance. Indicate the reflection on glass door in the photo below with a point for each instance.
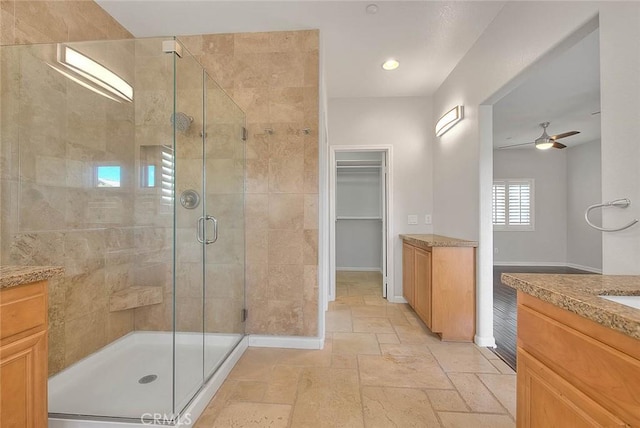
(208, 181)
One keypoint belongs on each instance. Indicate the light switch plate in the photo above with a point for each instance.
(412, 219)
(427, 219)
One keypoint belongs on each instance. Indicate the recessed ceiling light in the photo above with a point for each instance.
(372, 9)
(390, 64)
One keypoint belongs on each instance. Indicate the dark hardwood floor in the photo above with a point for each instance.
(504, 308)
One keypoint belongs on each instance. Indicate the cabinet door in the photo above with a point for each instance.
(547, 400)
(23, 390)
(408, 273)
(423, 285)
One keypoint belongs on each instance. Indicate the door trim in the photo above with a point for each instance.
(388, 208)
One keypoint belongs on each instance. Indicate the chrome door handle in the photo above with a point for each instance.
(200, 230)
(215, 229)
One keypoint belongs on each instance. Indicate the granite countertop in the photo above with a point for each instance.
(579, 294)
(11, 276)
(437, 241)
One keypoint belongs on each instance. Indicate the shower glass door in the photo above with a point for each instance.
(224, 152)
(187, 169)
(209, 161)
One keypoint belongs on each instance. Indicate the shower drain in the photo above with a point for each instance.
(148, 378)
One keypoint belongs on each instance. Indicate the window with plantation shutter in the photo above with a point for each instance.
(499, 204)
(513, 204)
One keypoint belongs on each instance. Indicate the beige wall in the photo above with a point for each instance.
(274, 79)
(45, 218)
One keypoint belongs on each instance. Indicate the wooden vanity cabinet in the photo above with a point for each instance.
(439, 284)
(572, 371)
(23, 356)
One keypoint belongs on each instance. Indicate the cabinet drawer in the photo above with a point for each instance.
(23, 310)
(604, 374)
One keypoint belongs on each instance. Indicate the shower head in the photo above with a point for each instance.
(181, 121)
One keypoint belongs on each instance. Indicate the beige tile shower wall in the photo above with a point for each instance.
(153, 131)
(224, 260)
(274, 79)
(26, 22)
(48, 215)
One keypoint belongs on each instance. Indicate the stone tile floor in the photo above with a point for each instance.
(380, 367)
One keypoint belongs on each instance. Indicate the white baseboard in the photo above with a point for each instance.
(587, 268)
(485, 341)
(293, 342)
(397, 299)
(552, 264)
(359, 269)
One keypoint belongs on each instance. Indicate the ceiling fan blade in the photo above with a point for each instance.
(564, 135)
(557, 145)
(515, 145)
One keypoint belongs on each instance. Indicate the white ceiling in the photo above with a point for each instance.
(565, 93)
(427, 37)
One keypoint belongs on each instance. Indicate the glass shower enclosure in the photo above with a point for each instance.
(123, 161)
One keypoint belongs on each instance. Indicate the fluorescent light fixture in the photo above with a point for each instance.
(94, 72)
(449, 119)
(390, 64)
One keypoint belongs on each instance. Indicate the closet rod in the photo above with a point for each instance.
(357, 218)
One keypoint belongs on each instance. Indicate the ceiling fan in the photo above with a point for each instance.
(545, 141)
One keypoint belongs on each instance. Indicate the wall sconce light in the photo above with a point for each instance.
(86, 70)
(449, 120)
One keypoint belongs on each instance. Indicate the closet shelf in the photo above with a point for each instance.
(358, 166)
(368, 163)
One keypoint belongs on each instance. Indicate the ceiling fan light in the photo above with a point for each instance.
(544, 144)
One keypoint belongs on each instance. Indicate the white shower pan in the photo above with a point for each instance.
(132, 378)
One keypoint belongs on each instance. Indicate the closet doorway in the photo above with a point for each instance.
(359, 198)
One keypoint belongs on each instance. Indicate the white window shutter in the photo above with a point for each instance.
(499, 204)
(513, 204)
